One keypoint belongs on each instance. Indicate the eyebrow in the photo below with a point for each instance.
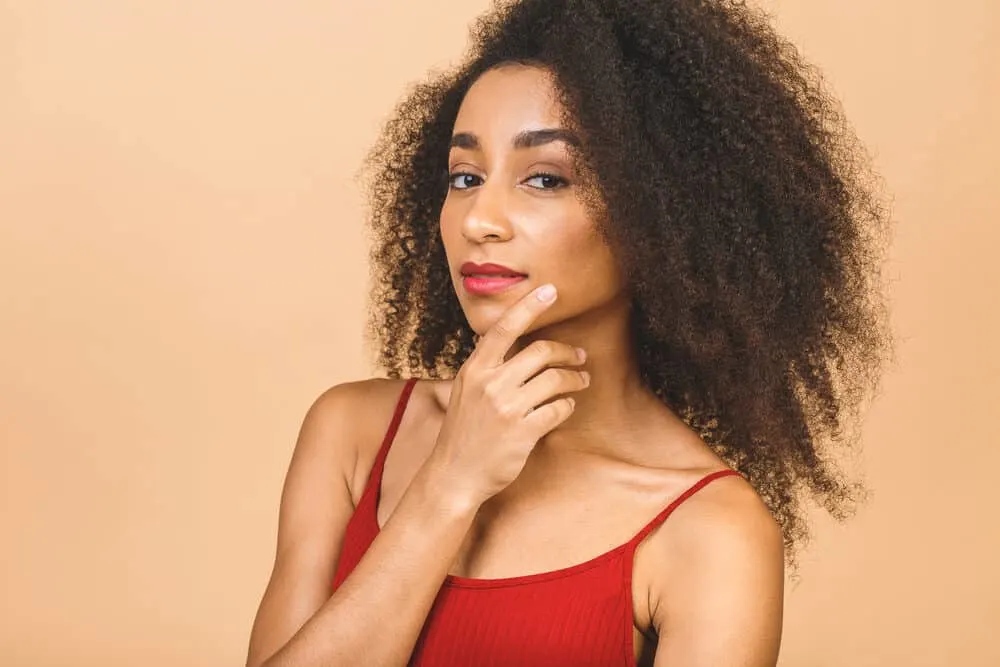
(524, 139)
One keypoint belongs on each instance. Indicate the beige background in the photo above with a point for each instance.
(182, 270)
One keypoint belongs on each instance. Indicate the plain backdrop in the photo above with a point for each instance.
(183, 270)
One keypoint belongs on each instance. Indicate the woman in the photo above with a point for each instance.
(663, 185)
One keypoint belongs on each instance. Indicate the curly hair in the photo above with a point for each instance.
(736, 198)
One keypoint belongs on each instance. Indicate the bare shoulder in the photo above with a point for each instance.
(353, 401)
(356, 413)
(357, 394)
(720, 581)
(724, 525)
(315, 508)
(725, 513)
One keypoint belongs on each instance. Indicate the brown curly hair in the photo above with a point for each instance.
(735, 196)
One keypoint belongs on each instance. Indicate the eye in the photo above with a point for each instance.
(547, 181)
(463, 180)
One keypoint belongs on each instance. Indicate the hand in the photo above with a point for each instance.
(498, 409)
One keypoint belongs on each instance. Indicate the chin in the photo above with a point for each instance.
(482, 312)
(482, 319)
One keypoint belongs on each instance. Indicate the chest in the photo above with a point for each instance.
(551, 528)
(553, 621)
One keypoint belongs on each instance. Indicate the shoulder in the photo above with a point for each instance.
(349, 419)
(358, 390)
(721, 569)
(724, 514)
(316, 505)
(349, 407)
(725, 524)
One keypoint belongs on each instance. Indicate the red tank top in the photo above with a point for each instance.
(577, 615)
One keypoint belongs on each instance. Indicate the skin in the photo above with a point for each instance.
(708, 583)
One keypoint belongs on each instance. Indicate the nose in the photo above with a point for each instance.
(487, 218)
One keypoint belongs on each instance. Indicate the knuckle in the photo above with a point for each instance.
(564, 377)
(507, 411)
(543, 348)
(566, 406)
(557, 411)
(503, 327)
(492, 392)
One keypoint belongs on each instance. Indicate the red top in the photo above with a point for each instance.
(577, 615)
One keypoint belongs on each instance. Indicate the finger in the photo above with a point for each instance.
(537, 356)
(546, 417)
(497, 341)
(553, 383)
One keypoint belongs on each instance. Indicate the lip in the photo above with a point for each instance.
(488, 285)
(489, 278)
(488, 269)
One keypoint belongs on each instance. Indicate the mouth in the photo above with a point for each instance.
(489, 284)
(489, 278)
(488, 269)
(494, 275)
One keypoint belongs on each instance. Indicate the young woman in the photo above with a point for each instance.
(629, 251)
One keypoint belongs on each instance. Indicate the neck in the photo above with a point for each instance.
(616, 409)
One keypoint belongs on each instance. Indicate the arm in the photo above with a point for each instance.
(720, 602)
(375, 617)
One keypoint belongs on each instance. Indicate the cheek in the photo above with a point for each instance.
(586, 267)
(449, 229)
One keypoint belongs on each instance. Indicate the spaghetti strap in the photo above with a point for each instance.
(363, 524)
(375, 477)
(693, 489)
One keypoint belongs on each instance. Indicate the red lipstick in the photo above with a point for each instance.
(489, 278)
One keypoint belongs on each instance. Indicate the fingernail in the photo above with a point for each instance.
(546, 292)
(582, 353)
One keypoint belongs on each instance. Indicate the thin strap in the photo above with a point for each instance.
(390, 433)
(662, 516)
(631, 546)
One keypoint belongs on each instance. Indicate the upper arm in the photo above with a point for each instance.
(315, 507)
(721, 603)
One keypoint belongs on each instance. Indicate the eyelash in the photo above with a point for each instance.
(560, 181)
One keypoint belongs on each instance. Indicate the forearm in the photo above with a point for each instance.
(375, 616)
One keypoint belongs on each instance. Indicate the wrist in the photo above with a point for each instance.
(448, 495)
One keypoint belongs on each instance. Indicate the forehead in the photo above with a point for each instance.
(507, 100)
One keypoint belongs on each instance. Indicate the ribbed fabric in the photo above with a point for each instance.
(574, 616)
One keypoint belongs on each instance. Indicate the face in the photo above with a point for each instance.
(514, 199)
